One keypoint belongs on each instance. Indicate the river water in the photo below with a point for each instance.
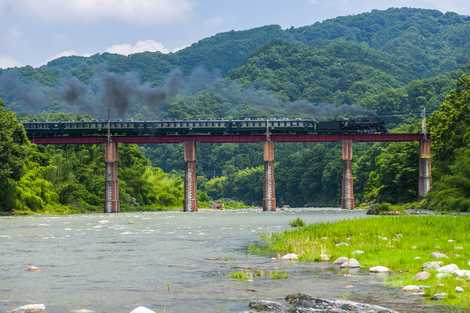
(170, 262)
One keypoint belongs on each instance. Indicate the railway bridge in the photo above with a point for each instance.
(190, 133)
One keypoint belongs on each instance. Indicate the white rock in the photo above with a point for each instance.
(379, 269)
(142, 309)
(459, 289)
(30, 308)
(422, 275)
(342, 244)
(451, 268)
(290, 257)
(450, 240)
(412, 288)
(442, 275)
(439, 296)
(340, 260)
(462, 274)
(433, 265)
(439, 255)
(351, 263)
(32, 268)
(357, 252)
(417, 258)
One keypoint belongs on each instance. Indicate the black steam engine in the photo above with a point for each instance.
(205, 127)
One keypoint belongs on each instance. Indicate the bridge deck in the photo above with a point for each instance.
(174, 139)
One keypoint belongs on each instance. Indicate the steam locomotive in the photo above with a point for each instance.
(198, 127)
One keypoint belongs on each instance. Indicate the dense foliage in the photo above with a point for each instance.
(450, 130)
(391, 63)
(71, 178)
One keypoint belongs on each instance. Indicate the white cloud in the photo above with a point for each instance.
(7, 62)
(140, 11)
(139, 46)
(66, 53)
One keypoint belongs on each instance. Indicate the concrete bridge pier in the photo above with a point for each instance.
(111, 178)
(269, 190)
(425, 166)
(190, 193)
(347, 188)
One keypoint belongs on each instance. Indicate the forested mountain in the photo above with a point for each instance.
(390, 63)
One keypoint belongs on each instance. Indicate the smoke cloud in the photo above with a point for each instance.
(120, 95)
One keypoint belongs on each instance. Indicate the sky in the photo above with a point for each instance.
(33, 32)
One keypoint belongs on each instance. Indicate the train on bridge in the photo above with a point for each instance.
(205, 127)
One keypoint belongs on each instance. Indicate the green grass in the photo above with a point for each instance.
(241, 276)
(276, 275)
(395, 242)
(297, 222)
(252, 274)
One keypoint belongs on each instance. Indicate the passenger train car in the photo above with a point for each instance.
(200, 127)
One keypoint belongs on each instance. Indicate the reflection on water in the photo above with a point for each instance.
(166, 261)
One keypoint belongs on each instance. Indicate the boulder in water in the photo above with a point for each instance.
(30, 308)
(142, 309)
(268, 306)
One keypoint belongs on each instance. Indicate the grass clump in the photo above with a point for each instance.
(252, 274)
(297, 222)
(241, 276)
(401, 243)
(277, 275)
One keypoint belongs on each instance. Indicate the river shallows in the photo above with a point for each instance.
(172, 262)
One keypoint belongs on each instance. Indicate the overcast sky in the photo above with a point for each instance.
(35, 31)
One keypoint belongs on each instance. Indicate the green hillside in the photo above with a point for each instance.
(391, 63)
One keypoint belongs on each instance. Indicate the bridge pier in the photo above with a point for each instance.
(425, 167)
(347, 188)
(111, 193)
(269, 188)
(190, 192)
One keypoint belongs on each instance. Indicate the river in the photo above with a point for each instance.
(170, 262)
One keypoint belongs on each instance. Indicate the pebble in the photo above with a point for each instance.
(462, 274)
(442, 275)
(379, 269)
(290, 257)
(433, 265)
(451, 268)
(439, 296)
(422, 275)
(412, 288)
(30, 308)
(351, 263)
(439, 255)
(32, 268)
(417, 258)
(340, 260)
(342, 244)
(142, 309)
(459, 289)
(358, 252)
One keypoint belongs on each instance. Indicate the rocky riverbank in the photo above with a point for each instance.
(301, 303)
